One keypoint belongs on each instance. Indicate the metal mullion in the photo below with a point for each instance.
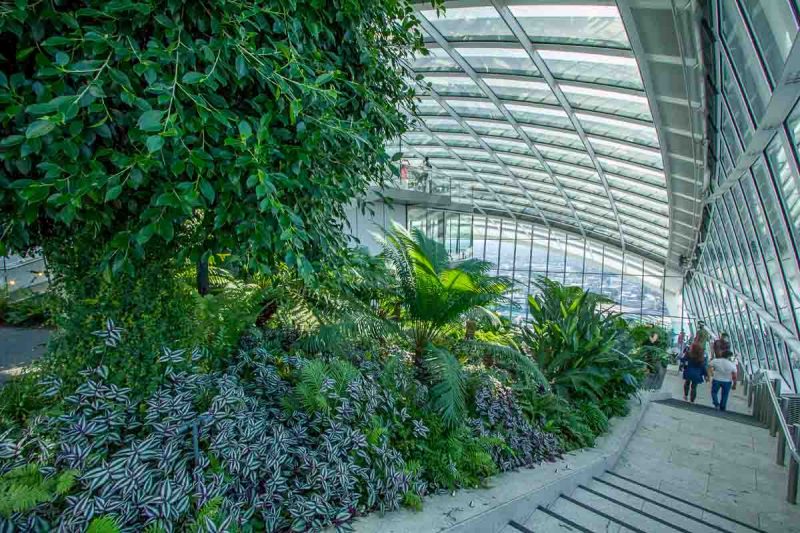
(487, 91)
(530, 268)
(778, 259)
(782, 331)
(444, 145)
(488, 150)
(768, 281)
(566, 47)
(499, 246)
(583, 268)
(753, 39)
(523, 38)
(513, 268)
(547, 263)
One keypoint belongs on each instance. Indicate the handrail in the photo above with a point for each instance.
(784, 427)
(754, 385)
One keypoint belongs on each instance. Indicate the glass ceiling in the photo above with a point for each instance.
(538, 112)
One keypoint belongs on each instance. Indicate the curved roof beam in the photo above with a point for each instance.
(523, 38)
(486, 148)
(487, 91)
(457, 157)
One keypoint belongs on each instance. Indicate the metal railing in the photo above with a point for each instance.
(772, 409)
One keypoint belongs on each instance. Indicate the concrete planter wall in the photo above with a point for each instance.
(513, 495)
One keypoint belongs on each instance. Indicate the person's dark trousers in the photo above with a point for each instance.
(722, 403)
(687, 384)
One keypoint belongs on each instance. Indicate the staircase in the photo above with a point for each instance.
(615, 503)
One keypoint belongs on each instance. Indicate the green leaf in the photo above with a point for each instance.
(113, 193)
(150, 120)
(11, 140)
(208, 190)
(39, 128)
(323, 78)
(294, 110)
(154, 143)
(241, 66)
(193, 77)
(244, 129)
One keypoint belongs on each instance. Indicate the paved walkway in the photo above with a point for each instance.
(717, 463)
(20, 346)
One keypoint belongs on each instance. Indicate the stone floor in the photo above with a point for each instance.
(720, 464)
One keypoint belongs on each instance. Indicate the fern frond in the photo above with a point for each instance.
(448, 393)
(103, 524)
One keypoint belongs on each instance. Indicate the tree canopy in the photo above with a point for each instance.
(177, 128)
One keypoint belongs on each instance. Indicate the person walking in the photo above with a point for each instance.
(723, 373)
(722, 344)
(694, 372)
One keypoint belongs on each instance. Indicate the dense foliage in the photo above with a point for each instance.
(135, 131)
(280, 432)
(572, 338)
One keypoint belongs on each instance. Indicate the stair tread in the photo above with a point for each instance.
(737, 519)
(583, 517)
(541, 522)
(688, 518)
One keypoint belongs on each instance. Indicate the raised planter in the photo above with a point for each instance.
(514, 495)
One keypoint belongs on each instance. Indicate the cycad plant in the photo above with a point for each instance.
(435, 297)
(571, 337)
(436, 294)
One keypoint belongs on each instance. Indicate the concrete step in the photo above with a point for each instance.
(711, 513)
(541, 522)
(667, 517)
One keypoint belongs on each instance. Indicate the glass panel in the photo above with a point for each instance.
(744, 59)
(572, 24)
(530, 91)
(618, 129)
(499, 60)
(437, 60)
(454, 86)
(642, 156)
(610, 70)
(606, 101)
(470, 23)
(734, 99)
(545, 116)
(783, 240)
(788, 182)
(775, 29)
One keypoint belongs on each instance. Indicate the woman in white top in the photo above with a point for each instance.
(724, 372)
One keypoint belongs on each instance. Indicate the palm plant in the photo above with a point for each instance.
(435, 296)
(571, 337)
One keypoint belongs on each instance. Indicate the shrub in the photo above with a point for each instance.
(221, 437)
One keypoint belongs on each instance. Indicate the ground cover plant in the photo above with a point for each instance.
(184, 168)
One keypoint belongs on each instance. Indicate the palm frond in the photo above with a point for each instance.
(448, 393)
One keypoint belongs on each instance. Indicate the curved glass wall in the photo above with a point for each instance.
(745, 279)
(539, 110)
(524, 250)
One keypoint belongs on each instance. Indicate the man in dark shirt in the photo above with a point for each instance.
(722, 344)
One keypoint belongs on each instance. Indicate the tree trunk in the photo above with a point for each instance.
(202, 276)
